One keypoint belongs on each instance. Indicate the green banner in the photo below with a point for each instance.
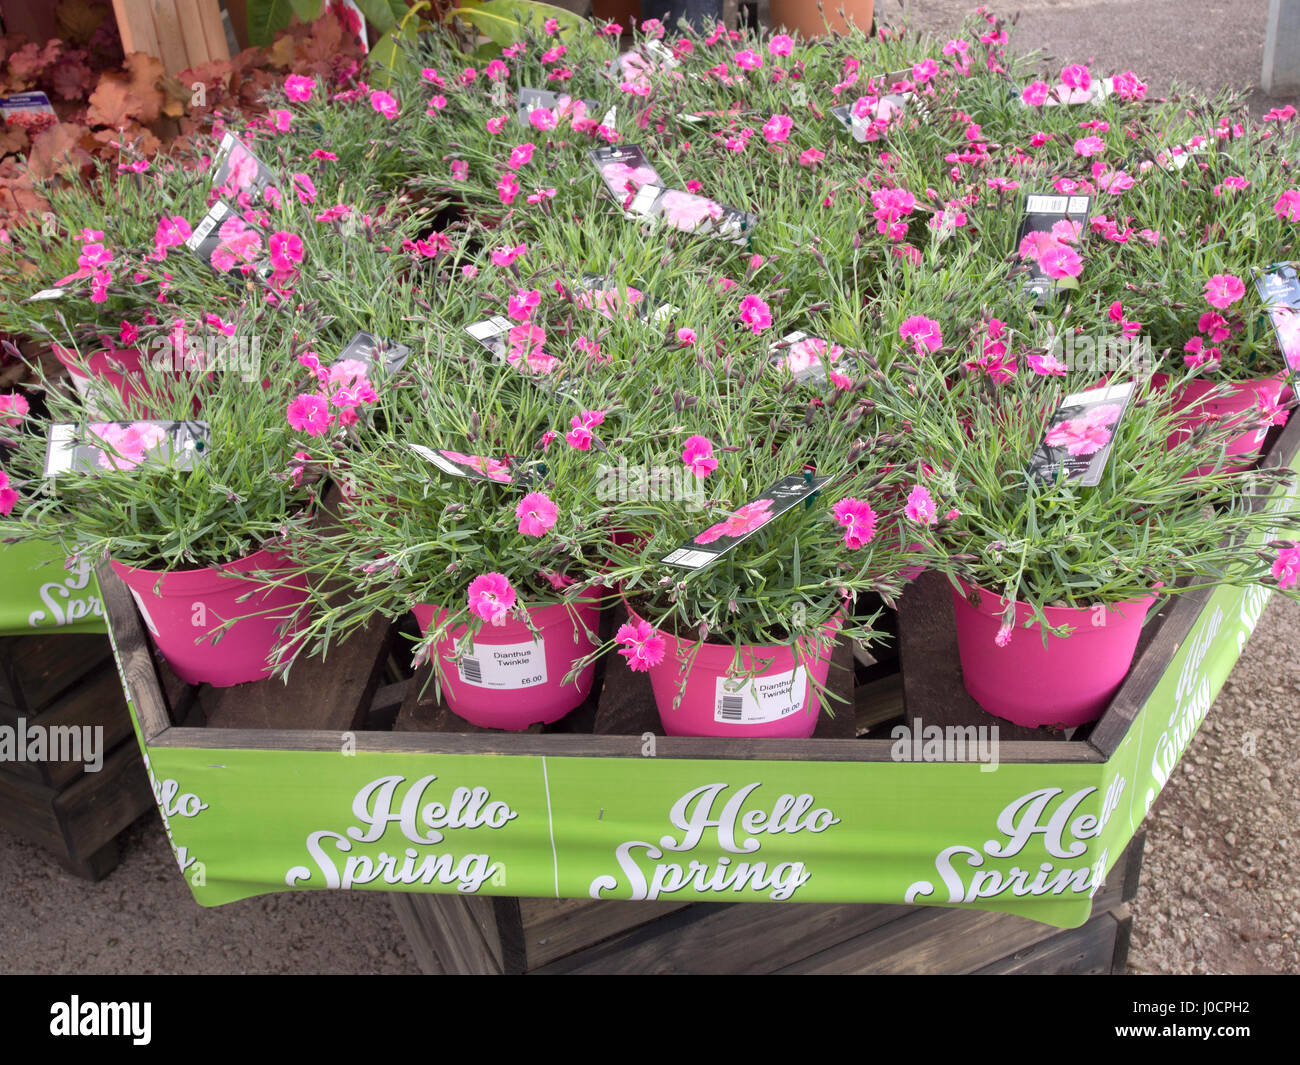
(1030, 839)
(39, 592)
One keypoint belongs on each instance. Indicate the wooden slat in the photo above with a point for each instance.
(451, 933)
(95, 808)
(331, 693)
(136, 26)
(555, 928)
(45, 665)
(136, 655)
(1087, 950)
(181, 33)
(877, 702)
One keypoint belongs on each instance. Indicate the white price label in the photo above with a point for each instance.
(144, 611)
(505, 666)
(758, 700)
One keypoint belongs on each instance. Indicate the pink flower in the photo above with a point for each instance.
(459, 170)
(1086, 146)
(745, 520)
(642, 646)
(1287, 207)
(1076, 77)
(755, 313)
(504, 256)
(436, 104)
(507, 189)
(385, 103)
(124, 446)
(686, 336)
(536, 513)
(1035, 93)
(1046, 365)
(777, 128)
(1223, 290)
(859, 522)
(748, 60)
(496, 125)
(310, 414)
(542, 118)
(1215, 326)
(320, 153)
(491, 597)
(925, 333)
(127, 334)
(697, 456)
(13, 408)
(285, 249)
(299, 88)
(781, 45)
(279, 120)
(305, 188)
(811, 157)
(1060, 260)
(521, 305)
(521, 155)
(8, 497)
(1003, 636)
(920, 506)
(1286, 567)
(578, 438)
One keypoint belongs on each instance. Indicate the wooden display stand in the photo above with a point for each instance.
(56, 680)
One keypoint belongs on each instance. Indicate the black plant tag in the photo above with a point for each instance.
(1042, 212)
(225, 252)
(237, 170)
(719, 538)
(1279, 288)
(365, 347)
(1080, 434)
(117, 447)
(475, 467)
(810, 359)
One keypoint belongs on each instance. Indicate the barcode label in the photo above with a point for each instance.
(505, 666)
(489, 328)
(644, 199)
(760, 700)
(688, 559)
(1047, 204)
(216, 215)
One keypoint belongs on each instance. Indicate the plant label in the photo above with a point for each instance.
(1279, 288)
(230, 244)
(46, 294)
(760, 700)
(505, 666)
(365, 347)
(473, 467)
(807, 358)
(115, 447)
(719, 538)
(238, 171)
(1079, 436)
(1043, 212)
(31, 111)
(561, 105)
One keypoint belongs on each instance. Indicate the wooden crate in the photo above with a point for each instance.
(59, 681)
(360, 691)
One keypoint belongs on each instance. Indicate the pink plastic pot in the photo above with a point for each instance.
(780, 700)
(510, 680)
(1069, 682)
(182, 607)
(1242, 449)
(119, 368)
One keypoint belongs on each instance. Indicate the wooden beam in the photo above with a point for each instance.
(181, 33)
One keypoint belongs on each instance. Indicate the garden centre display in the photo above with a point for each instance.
(693, 351)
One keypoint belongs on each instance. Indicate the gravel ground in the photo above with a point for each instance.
(1221, 884)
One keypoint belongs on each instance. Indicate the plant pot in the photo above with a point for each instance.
(780, 700)
(180, 607)
(118, 368)
(803, 18)
(1069, 682)
(511, 680)
(1243, 448)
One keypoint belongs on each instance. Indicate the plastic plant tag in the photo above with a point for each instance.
(46, 294)
(1279, 288)
(561, 105)
(806, 358)
(237, 170)
(475, 467)
(1063, 95)
(626, 171)
(719, 538)
(693, 213)
(760, 700)
(113, 447)
(29, 110)
(365, 347)
(1042, 213)
(601, 293)
(230, 244)
(1080, 434)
